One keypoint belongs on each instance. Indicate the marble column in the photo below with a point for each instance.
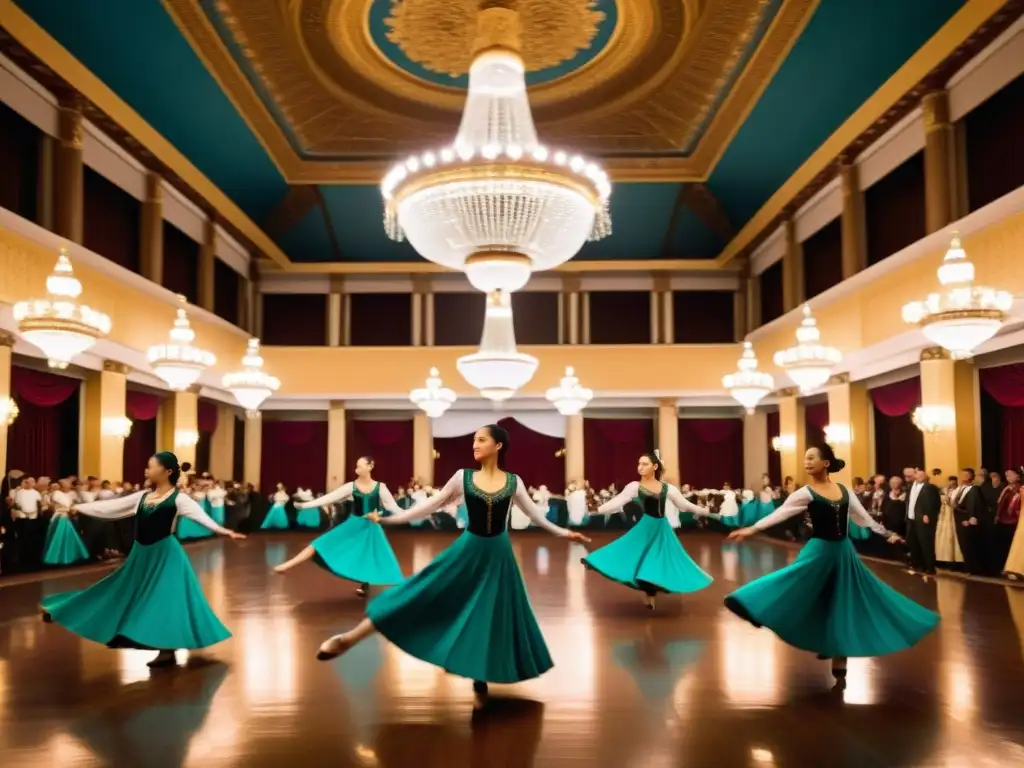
(6, 349)
(939, 161)
(423, 449)
(668, 439)
(575, 468)
(792, 269)
(151, 230)
(850, 434)
(792, 433)
(953, 385)
(69, 174)
(336, 300)
(573, 308)
(222, 444)
(755, 448)
(207, 260)
(337, 461)
(668, 322)
(103, 416)
(854, 227)
(752, 289)
(178, 425)
(254, 452)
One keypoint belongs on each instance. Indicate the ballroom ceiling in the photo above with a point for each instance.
(701, 109)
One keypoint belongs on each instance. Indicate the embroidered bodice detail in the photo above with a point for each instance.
(829, 519)
(653, 503)
(365, 503)
(155, 522)
(488, 513)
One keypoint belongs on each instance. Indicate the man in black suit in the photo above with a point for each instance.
(970, 515)
(923, 504)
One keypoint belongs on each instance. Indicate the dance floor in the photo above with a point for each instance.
(689, 685)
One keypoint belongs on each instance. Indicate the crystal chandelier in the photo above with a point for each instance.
(433, 399)
(179, 363)
(252, 385)
(117, 426)
(497, 369)
(748, 386)
(60, 326)
(809, 364)
(496, 203)
(782, 443)
(9, 411)
(966, 315)
(934, 418)
(569, 398)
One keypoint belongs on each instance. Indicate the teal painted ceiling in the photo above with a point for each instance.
(847, 51)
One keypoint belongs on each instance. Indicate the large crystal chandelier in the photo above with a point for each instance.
(569, 398)
(179, 363)
(496, 203)
(60, 326)
(748, 386)
(497, 369)
(252, 385)
(809, 364)
(966, 315)
(433, 399)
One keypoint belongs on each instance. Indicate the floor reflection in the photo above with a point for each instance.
(688, 685)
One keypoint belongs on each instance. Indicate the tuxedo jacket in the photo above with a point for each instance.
(929, 502)
(971, 502)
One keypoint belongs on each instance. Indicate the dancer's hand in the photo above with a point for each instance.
(741, 533)
(373, 517)
(236, 536)
(577, 536)
(895, 539)
(973, 521)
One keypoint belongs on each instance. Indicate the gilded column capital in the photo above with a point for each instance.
(337, 405)
(571, 283)
(71, 126)
(7, 339)
(154, 188)
(934, 353)
(662, 282)
(422, 284)
(112, 366)
(839, 378)
(337, 284)
(195, 389)
(935, 106)
(788, 392)
(668, 402)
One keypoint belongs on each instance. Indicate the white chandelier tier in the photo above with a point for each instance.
(569, 397)
(498, 369)
(748, 386)
(496, 203)
(179, 363)
(434, 398)
(252, 385)
(60, 326)
(966, 315)
(809, 364)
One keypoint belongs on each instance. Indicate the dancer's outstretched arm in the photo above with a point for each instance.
(796, 504)
(387, 501)
(524, 502)
(341, 493)
(681, 502)
(863, 519)
(616, 503)
(450, 494)
(187, 507)
(117, 508)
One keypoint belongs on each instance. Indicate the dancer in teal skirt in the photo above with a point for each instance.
(153, 601)
(277, 515)
(63, 544)
(187, 529)
(467, 611)
(649, 557)
(828, 602)
(357, 549)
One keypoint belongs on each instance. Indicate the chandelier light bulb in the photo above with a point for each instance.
(782, 443)
(965, 315)
(748, 386)
(497, 369)
(932, 419)
(9, 411)
(179, 363)
(58, 325)
(569, 398)
(509, 195)
(252, 385)
(434, 398)
(117, 426)
(809, 364)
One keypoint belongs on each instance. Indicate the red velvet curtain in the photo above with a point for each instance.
(815, 421)
(898, 443)
(453, 454)
(611, 448)
(206, 424)
(142, 408)
(774, 457)
(390, 445)
(711, 452)
(1005, 385)
(294, 453)
(35, 442)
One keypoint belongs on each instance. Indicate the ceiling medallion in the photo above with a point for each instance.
(496, 203)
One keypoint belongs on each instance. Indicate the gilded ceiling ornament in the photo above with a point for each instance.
(440, 34)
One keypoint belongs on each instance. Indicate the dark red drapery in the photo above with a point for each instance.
(35, 442)
(815, 421)
(611, 448)
(453, 454)
(898, 398)
(206, 417)
(390, 443)
(1005, 385)
(711, 452)
(774, 457)
(142, 408)
(294, 453)
(898, 443)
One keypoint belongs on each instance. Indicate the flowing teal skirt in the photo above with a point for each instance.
(649, 558)
(276, 519)
(217, 513)
(63, 544)
(828, 602)
(359, 551)
(189, 529)
(153, 601)
(308, 518)
(468, 613)
(753, 511)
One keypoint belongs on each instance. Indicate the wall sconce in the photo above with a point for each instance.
(8, 411)
(560, 453)
(782, 443)
(437, 453)
(838, 434)
(186, 437)
(934, 418)
(116, 426)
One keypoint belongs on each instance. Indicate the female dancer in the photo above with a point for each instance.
(357, 549)
(649, 557)
(827, 602)
(187, 529)
(215, 495)
(307, 516)
(277, 516)
(467, 611)
(154, 600)
(63, 544)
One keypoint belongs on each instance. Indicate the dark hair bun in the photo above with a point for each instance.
(185, 466)
(836, 465)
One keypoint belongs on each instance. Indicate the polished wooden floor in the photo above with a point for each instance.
(689, 685)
